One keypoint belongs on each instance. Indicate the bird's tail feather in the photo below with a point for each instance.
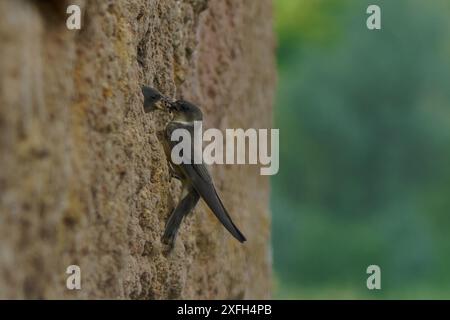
(173, 224)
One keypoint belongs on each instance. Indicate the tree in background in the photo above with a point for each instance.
(364, 175)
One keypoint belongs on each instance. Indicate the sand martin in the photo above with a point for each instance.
(196, 180)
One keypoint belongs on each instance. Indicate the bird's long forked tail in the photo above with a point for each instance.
(173, 224)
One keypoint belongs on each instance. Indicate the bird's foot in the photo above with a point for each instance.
(172, 173)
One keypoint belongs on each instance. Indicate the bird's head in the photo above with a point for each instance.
(185, 111)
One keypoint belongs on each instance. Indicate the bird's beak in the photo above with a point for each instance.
(159, 105)
(173, 106)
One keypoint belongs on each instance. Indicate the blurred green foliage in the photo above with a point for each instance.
(364, 178)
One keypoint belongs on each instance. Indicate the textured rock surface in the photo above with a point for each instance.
(83, 178)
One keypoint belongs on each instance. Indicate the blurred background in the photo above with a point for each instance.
(364, 178)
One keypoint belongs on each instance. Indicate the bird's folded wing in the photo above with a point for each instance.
(210, 196)
(202, 182)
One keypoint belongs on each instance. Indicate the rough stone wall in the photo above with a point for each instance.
(83, 178)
